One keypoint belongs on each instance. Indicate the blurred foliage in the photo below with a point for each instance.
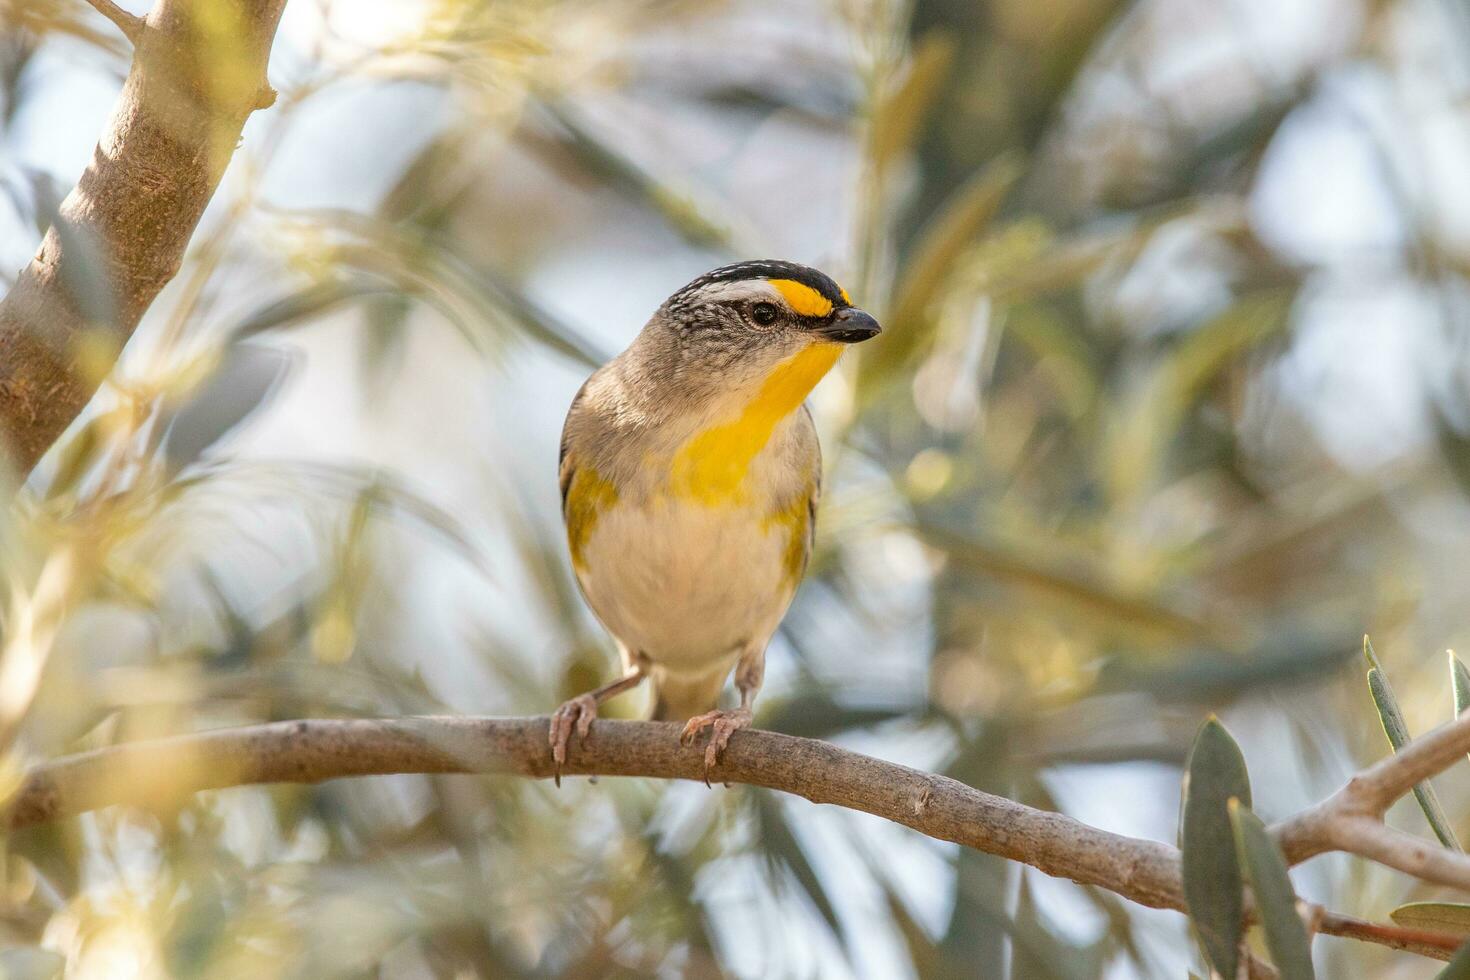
(1105, 471)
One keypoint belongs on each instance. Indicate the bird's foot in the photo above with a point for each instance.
(722, 724)
(577, 714)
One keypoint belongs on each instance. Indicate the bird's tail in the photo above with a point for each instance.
(679, 697)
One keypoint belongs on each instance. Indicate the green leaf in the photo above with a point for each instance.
(1460, 681)
(1458, 967)
(1398, 736)
(1452, 918)
(1214, 774)
(1264, 866)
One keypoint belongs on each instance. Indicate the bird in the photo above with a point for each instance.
(690, 475)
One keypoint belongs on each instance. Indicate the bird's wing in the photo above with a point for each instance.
(813, 493)
(567, 460)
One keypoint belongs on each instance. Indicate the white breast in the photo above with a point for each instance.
(684, 583)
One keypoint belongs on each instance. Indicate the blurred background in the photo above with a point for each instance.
(1172, 405)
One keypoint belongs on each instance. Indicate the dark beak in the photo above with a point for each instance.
(850, 325)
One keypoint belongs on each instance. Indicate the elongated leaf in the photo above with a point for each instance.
(898, 117)
(1447, 917)
(917, 943)
(817, 715)
(1264, 866)
(1068, 582)
(340, 481)
(247, 377)
(974, 940)
(86, 277)
(691, 214)
(1460, 681)
(477, 302)
(79, 453)
(33, 194)
(1370, 655)
(1214, 775)
(1398, 736)
(1206, 351)
(782, 849)
(1458, 967)
(1151, 414)
(308, 303)
(936, 256)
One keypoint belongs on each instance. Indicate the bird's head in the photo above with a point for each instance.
(748, 326)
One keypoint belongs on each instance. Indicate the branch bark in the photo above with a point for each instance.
(162, 774)
(1351, 819)
(165, 771)
(199, 69)
(1435, 945)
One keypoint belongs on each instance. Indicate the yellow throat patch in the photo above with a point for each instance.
(710, 467)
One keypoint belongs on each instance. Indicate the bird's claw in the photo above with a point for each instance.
(576, 714)
(722, 724)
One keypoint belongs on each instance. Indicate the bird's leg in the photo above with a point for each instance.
(749, 673)
(579, 712)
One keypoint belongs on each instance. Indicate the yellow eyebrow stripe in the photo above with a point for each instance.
(802, 298)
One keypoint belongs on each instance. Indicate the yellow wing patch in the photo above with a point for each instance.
(795, 519)
(588, 495)
(711, 466)
(802, 298)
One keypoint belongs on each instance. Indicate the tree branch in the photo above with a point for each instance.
(1393, 848)
(1436, 945)
(163, 773)
(130, 24)
(1352, 818)
(198, 71)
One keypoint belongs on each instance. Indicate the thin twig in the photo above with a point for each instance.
(1255, 968)
(1426, 860)
(1436, 945)
(131, 25)
(1352, 818)
(1376, 788)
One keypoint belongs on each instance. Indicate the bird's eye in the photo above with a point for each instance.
(764, 314)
